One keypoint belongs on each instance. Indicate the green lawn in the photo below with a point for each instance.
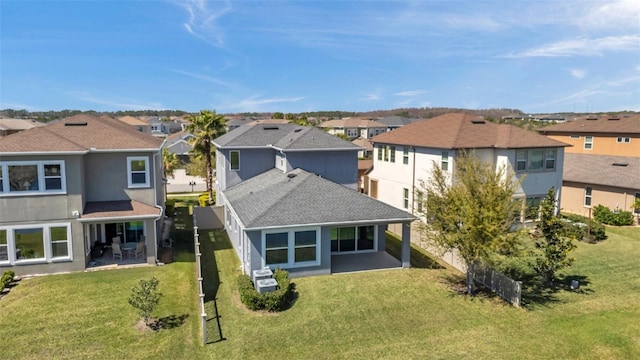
(397, 314)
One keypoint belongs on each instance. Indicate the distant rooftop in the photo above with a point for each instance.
(597, 123)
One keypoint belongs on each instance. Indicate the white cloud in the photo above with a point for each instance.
(582, 47)
(203, 77)
(255, 103)
(123, 104)
(410, 93)
(577, 73)
(616, 14)
(374, 96)
(202, 20)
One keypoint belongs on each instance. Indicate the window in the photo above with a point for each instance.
(588, 142)
(405, 155)
(574, 136)
(380, 152)
(59, 242)
(550, 159)
(392, 153)
(352, 239)
(405, 198)
(386, 153)
(587, 196)
(535, 159)
(35, 243)
(419, 200)
(623, 139)
(234, 160)
(295, 248)
(521, 160)
(138, 171)
(444, 163)
(4, 247)
(636, 200)
(32, 177)
(532, 208)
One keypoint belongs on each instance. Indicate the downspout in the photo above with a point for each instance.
(155, 200)
(413, 182)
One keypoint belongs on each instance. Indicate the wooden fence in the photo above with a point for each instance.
(504, 286)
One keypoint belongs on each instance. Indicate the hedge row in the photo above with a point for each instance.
(6, 279)
(616, 218)
(270, 301)
(577, 228)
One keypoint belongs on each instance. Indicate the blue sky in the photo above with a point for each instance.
(298, 56)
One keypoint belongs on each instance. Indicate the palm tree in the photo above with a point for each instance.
(206, 126)
(170, 162)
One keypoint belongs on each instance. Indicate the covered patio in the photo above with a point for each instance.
(379, 260)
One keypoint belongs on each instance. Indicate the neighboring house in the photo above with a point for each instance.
(178, 143)
(364, 168)
(591, 180)
(138, 124)
(161, 128)
(12, 126)
(404, 157)
(366, 147)
(354, 127)
(80, 181)
(394, 122)
(290, 200)
(617, 135)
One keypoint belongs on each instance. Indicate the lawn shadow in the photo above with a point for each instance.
(420, 258)
(169, 322)
(536, 292)
(182, 235)
(210, 242)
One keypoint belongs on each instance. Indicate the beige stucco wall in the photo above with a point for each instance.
(603, 144)
(573, 197)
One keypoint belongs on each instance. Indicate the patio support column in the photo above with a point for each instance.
(406, 245)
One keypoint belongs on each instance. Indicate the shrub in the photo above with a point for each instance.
(203, 199)
(270, 301)
(145, 297)
(616, 218)
(169, 206)
(578, 226)
(6, 279)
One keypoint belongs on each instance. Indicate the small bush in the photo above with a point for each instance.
(270, 301)
(203, 199)
(578, 227)
(145, 297)
(617, 218)
(6, 279)
(169, 206)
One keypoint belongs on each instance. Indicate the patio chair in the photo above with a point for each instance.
(139, 250)
(116, 240)
(116, 250)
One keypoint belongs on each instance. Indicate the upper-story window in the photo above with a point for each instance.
(405, 198)
(587, 196)
(352, 132)
(387, 153)
(588, 142)
(138, 171)
(32, 177)
(405, 155)
(234, 160)
(444, 163)
(623, 139)
(392, 154)
(535, 159)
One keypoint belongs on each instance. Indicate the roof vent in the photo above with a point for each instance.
(621, 164)
(614, 118)
(592, 118)
(75, 124)
(478, 122)
(271, 128)
(297, 130)
(291, 176)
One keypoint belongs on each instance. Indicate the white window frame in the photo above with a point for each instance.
(588, 194)
(291, 263)
(623, 140)
(549, 155)
(130, 172)
(405, 198)
(444, 161)
(231, 167)
(5, 188)
(405, 155)
(356, 235)
(392, 154)
(588, 142)
(47, 243)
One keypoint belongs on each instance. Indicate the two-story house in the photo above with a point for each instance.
(601, 168)
(405, 156)
(290, 200)
(354, 127)
(80, 181)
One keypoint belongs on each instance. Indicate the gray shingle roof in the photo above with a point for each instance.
(277, 199)
(281, 136)
(600, 170)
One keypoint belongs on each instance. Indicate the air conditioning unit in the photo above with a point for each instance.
(266, 285)
(265, 273)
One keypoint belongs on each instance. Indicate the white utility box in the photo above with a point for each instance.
(266, 285)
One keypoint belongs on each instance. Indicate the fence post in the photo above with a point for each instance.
(518, 291)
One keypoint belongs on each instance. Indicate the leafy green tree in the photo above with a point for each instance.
(196, 166)
(277, 115)
(145, 297)
(474, 213)
(552, 249)
(169, 161)
(205, 127)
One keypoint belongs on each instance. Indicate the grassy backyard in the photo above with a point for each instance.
(403, 314)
